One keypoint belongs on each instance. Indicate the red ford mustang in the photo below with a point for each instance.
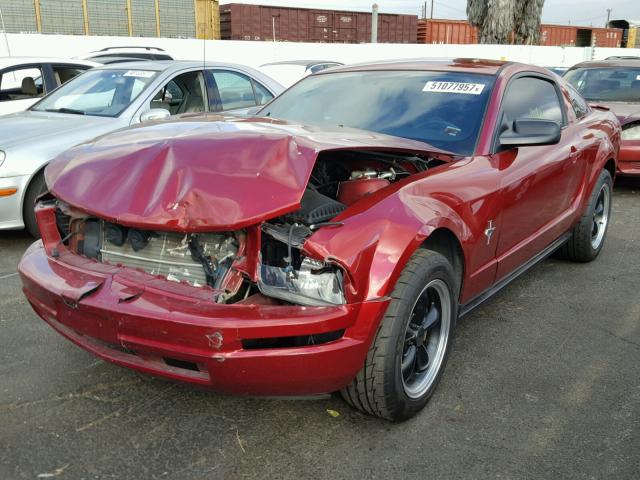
(330, 243)
(616, 84)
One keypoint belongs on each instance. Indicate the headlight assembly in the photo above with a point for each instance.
(2, 157)
(315, 283)
(632, 132)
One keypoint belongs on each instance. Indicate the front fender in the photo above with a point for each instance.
(608, 149)
(373, 245)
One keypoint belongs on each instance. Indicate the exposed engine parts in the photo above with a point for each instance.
(280, 269)
(198, 259)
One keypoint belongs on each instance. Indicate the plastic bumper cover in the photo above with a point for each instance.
(130, 319)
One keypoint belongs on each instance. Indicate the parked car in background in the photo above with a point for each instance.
(290, 71)
(329, 243)
(24, 80)
(119, 54)
(105, 99)
(614, 83)
(558, 70)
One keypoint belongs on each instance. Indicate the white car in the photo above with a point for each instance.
(24, 80)
(290, 71)
(107, 98)
(111, 55)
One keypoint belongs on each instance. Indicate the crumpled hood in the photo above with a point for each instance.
(202, 173)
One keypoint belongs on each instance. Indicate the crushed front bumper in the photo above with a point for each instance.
(173, 330)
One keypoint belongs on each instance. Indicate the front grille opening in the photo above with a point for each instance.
(290, 342)
(174, 362)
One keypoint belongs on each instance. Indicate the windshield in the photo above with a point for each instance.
(620, 84)
(444, 109)
(104, 93)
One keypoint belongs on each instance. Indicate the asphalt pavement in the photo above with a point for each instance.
(544, 383)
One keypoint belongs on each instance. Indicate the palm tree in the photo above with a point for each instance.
(506, 21)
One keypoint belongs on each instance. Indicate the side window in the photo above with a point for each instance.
(21, 84)
(183, 94)
(64, 73)
(530, 97)
(579, 104)
(235, 90)
(262, 94)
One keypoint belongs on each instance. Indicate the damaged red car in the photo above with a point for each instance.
(329, 243)
(614, 84)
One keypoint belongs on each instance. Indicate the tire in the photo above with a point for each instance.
(588, 236)
(385, 387)
(36, 188)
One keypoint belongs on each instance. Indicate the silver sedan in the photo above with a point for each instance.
(105, 99)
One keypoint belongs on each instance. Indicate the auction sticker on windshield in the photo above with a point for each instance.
(139, 74)
(454, 87)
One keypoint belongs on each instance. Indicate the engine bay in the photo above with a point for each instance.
(338, 180)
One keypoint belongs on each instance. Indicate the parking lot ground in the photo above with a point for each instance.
(544, 382)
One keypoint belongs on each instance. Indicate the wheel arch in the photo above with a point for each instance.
(39, 171)
(443, 241)
(611, 167)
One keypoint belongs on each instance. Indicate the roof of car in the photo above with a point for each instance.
(14, 61)
(476, 65)
(613, 63)
(302, 63)
(162, 65)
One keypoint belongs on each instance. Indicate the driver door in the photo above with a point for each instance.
(539, 183)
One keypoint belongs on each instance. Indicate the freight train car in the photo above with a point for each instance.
(261, 22)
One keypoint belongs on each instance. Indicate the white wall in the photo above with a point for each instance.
(257, 53)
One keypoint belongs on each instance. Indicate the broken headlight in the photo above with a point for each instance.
(316, 283)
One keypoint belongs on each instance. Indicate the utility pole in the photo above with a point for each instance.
(374, 23)
(608, 17)
(4, 29)
(432, 8)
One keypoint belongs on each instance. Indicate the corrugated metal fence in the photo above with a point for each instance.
(107, 18)
(148, 18)
(19, 16)
(62, 16)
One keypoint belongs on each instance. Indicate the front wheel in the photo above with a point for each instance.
(407, 358)
(587, 237)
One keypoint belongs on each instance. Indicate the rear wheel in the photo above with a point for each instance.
(407, 358)
(36, 188)
(587, 238)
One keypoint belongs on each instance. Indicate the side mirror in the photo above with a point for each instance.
(155, 114)
(529, 132)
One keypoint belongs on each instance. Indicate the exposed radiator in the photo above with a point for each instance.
(169, 255)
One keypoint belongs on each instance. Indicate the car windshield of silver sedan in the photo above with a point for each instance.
(444, 109)
(104, 93)
(606, 84)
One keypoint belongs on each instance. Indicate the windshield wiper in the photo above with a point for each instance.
(66, 110)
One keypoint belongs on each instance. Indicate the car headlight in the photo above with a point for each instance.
(2, 157)
(315, 283)
(632, 132)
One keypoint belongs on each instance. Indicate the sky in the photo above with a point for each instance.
(563, 12)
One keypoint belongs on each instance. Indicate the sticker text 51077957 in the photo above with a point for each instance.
(454, 87)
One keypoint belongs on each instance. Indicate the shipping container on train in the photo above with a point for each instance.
(446, 31)
(461, 32)
(260, 22)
